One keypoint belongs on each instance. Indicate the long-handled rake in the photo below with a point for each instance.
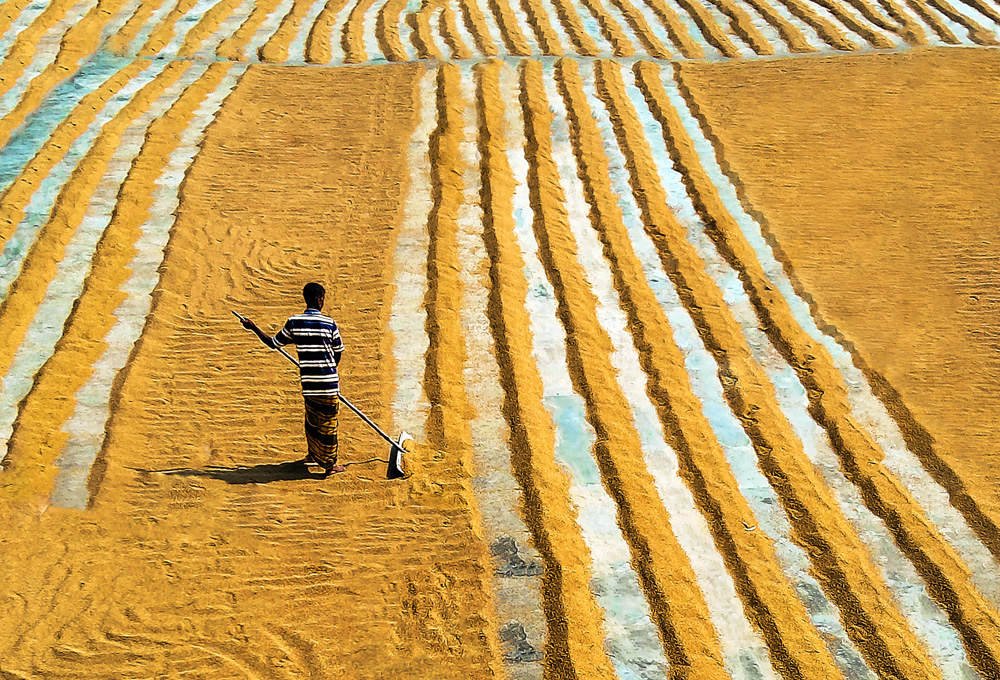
(396, 450)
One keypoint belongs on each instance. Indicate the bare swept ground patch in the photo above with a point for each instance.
(875, 177)
(206, 549)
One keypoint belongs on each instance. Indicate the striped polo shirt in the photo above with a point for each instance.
(316, 338)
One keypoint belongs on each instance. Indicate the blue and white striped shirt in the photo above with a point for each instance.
(316, 338)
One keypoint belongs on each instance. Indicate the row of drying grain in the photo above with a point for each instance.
(706, 481)
(89, 186)
(41, 41)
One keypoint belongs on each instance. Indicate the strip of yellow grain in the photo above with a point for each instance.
(79, 42)
(15, 199)
(207, 25)
(233, 48)
(38, 438)
(675, 601)
(574, 647)
(840, 560)
(947, 577)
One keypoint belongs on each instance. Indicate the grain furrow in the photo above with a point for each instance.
(164, 30)
(826, 30)
(538, 20)
(38, 437)
(475, 23)
(768, 597)
(207, 25)
(713, 33)
(19, 56)
(387, 29)
(28, 290)
(787, 30)
(910, 29)
(671, 590)
(17, 195)
(421, 35)
(10, 12)
(448, 28)
(640, 27)
(977, 33)
(675, 29)
(234, 47)
(569, 19)
(838, 556)
(120, 41)
(610, 28)
(353, 36)
(275, 50)
(743, 27)
(874, 38)
(79, 42)
(320, 35)
(927, 15)
(861, 458)
(510, 30)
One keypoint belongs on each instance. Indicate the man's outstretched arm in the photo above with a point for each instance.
(266, 339)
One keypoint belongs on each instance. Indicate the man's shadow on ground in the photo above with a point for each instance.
(259, 474)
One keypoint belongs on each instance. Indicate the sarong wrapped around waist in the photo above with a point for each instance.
(321, 428)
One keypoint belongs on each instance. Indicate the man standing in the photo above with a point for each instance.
(317, 340)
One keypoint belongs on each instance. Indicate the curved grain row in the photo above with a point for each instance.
(977, 33)
(871, 15)
(17, 196)
(512, 36)
(475, 22)
(569, 18)
(9, 11)
(839, 558)
(353, 38)
(769, 599)
(668, 582)
(421, 35)
(861, 458)
(20, 53)
(712, 31)
(574, 645)
(538, 19)
(38, 438)
(676, 30)
(912, 31)
(233, 48)
(39, 266)
(610, 29)
(827, 32)
(788, 31)
(641, 28)
(120, 41)
(164, 31)
(932, 20)
(318, 43)
(874, 38)
(207, 25)
(985, 9)
(80, 41)
(447, 422)
(275, 50)
(742, 26)
(449, 31)
(387, 30)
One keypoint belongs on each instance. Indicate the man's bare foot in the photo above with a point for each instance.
(335, 469)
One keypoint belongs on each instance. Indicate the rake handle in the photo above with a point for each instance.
(342, 398)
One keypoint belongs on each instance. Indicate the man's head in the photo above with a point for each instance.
(314, 295)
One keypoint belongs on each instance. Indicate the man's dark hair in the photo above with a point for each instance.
(313, 292)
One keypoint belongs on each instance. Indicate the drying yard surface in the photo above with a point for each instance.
(691, 306)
